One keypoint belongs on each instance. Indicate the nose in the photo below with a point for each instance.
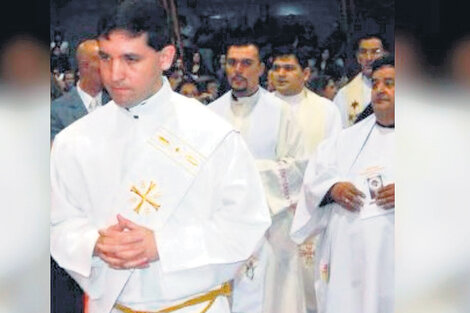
(379, 87)
(238, 67)
(282, 71)
(117, 71)
(369, 56)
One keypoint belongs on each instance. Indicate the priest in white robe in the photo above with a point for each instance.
(317, 119)
(156, 201)
(348, 199)
(269, 281)
(354, 97)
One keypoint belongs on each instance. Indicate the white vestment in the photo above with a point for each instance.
(318, 118)
(353, 98)
(271, 281)
(170, 165)
(354, 267)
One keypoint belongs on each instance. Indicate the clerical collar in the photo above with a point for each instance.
(293, 99)
(153, 101)
(385, 126)
(242, 106)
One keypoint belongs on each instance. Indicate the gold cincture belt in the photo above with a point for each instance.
(224, 290)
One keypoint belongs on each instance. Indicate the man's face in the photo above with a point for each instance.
(330, 90)
(243, 69)
(89, 63)
(288, 76)
(69, 80)
(383, 92)
(370, 49)
(130, 69)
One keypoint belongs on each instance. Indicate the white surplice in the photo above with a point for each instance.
(352, 98)
(354, 266)
(271, 281)
(168, 164)
(318, 119)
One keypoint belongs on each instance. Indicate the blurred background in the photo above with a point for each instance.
(24, 156)
(323, 29)
(433, 132)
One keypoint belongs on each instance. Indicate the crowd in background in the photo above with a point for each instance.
(199, 71)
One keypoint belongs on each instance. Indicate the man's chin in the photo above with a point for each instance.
(282, 88)
(381, 104)
(367, 71)
(123, 103)
(239, 89)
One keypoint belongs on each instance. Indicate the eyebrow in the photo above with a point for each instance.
(284, 64)
(242, 58)
(132, 55)
(384, 79)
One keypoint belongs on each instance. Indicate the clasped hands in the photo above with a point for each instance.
(126, 245)
(349, 197)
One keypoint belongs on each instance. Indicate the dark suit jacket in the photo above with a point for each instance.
(66, 295)
(67, 109)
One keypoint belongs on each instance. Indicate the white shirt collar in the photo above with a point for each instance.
(86, 98)
(242, 106)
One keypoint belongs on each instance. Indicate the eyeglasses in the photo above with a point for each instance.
(373, 52)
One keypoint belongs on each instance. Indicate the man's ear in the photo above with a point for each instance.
(167, 56)
(262, 67)
(307, 73)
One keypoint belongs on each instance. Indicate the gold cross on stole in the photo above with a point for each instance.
(144, 197)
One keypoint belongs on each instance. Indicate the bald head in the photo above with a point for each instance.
(87, 50)
(89, 66)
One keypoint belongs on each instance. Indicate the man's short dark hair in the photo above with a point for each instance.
(240, 39)
(286, 50)
(386, 60)
(319, 83)
(364, 36)
(138, 17)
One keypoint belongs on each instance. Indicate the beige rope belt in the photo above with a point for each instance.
(224, 290)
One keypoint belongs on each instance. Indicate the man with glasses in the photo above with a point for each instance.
(354, 97)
